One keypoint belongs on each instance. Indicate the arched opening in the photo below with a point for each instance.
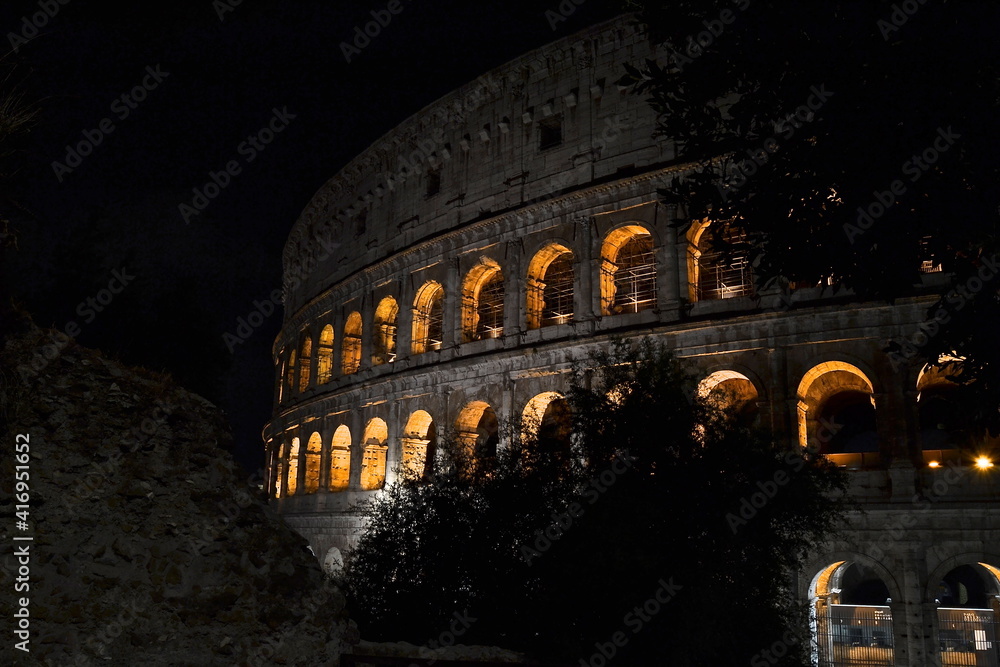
(373, 461)
(714, 273)
(305, 360)
(279, 367)
(292, 479)
(547, 417)
(942, 435)
(850, 616)
(419, 442)
(384, 349)
(350, 353)
(482, 302)
(628, 271)
(968, 599)
(734, 394)
(428, 318)
(314, 454)
(333, 561)
(478, 429)
(836, 413)
(340, 459)
(290, 373)
(324, 355)
(550, 287)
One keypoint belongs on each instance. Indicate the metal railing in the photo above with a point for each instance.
(854, 636)
(968, 637)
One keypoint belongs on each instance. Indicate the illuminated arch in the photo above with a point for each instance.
(384, 347)
(350, 353)
(628, 271)
(373, 462)
(419, 440)
(324, 355)
(711, 276)
(550, 287)
(314, 454)
(305, 359)
(482, 301)
(733, 392)
(290, 372)
(292, 466)
(428, 318)
(836, 413)
(340, 459)
(478, 429)
(850, 617)
(281, 366)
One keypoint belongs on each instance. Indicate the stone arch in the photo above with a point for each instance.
(375, 448)
(428, 318)
(966, 590)
(989, 561)
(384, 344)
(549, 289)
(628, 270)
(340, 459)
(733, 392)
(836, 413)
(292, 477)
(419, 443)
(941, 430)
(305, 359)
(478, 429)
(313, 457)
(324, 355)
(483, 301)
(711, 276)
(851, 620)
(350, 354)
(333, 561)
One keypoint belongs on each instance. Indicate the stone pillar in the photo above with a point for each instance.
(357, 449)
(452, 325)
(583, 277)
(512, 294)
(393, 455)
(668, 278)
(367, 332)
(404, 320)
(324, 456)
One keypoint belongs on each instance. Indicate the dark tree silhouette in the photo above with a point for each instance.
(667, 522)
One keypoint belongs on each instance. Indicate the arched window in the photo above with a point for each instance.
(324, 359)
(290, 373)
(482, 302)
(305, 359)
(351, 350)
(547, 417)
(733, 393)
(428, 318)
(292, 479)
(373, 463)
(340, 459)
(419, 439)
(478, 429)
(942, 431)
(852, 621)
(550, 287)
(836, 412)
(280, 365)
(628, 271)
(384, 350)
(714, 273)
(314, 454)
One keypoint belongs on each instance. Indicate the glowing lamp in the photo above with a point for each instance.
(934, 464)
(984, 462)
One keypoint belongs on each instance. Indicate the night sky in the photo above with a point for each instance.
(208, 85)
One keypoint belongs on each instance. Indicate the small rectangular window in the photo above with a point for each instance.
(549, 133)
(433, 182)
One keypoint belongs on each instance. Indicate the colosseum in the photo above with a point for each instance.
(446, 279)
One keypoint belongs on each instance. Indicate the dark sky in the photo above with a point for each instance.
(218, 83)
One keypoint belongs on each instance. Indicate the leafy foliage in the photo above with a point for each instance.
(553, 549)
(801, 117)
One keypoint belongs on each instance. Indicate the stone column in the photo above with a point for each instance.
(668, 275)
(512, 296)
(452, 305)
(367, 332)
(583, 277)
(404, 320)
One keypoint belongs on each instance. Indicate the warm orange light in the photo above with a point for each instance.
(934, 464)
(983, 463)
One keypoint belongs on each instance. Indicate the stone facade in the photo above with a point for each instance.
(449, 276)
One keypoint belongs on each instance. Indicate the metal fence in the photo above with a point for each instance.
(968, 637)
(854, 636)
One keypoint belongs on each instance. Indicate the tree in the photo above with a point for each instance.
(847, 143)
(662, 533)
